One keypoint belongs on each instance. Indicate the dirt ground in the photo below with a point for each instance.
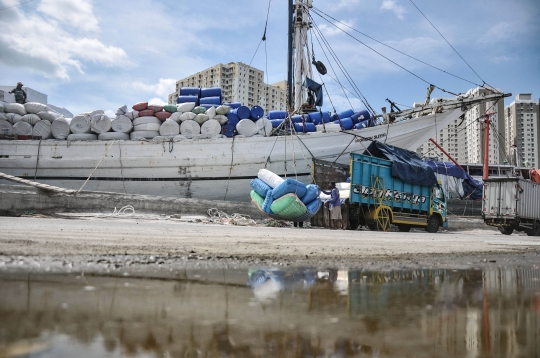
(97, 243)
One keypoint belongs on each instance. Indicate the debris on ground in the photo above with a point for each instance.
(220, 217)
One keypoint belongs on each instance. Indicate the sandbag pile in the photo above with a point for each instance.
(284, 199)
(31, 119)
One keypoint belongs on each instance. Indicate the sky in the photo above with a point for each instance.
(97, 54)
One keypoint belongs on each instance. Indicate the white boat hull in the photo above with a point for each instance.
(218, 169)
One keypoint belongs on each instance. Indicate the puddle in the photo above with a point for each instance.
(272, 313)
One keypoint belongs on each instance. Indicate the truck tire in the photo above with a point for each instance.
(535, 231)
(404, 228)
(506, 230)
(432, 224)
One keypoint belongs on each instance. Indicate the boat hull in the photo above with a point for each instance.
(216, 169)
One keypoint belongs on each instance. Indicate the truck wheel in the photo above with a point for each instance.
(432, 224)
(372, 227)
(506, 230)
(535, 231)
(404, 228)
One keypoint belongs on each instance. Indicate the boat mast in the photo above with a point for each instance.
(300, 51)
(290, 56)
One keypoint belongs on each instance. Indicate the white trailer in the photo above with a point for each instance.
(512, 204)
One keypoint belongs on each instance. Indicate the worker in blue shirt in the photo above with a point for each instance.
(334, 204)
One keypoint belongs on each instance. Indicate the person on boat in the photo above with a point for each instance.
(334, 205)
(20, 94)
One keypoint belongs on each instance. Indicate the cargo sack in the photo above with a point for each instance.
(3, 116)
(288, 206)
(31, 118)
(13, 117)
(146, 119)
(162, 116)
(313, 206)
(201, 118)
(268, 200)
(289, 186)
(211, 112)
(155, 107)
(199, 110)
(271, 179)
(187, 116)
(221, 119)
(121, 110)
(6, 128)
(101, 124)
(170, 108)
(121, 124)
(257, 199)
(81, 123)
(176, 116)
(260, 187)
(146, 113)
(141, 106)
(148, 126)
(15, 108)
(264, 127)
(113, 136)
(211, 128)
(48, 116)
(169, 128)
(2, 109)
(60, 128)
(179, 138)
(132, 114)
(82, 136)
(42, 129)
(223, 110)
(246, 127)
(185, 107)
(190, 128)
(312, 193)
(34, 107)
(136, 135)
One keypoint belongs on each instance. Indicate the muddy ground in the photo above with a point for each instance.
(153, 245)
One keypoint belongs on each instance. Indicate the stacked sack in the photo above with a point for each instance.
(31, 119)
(285, 199)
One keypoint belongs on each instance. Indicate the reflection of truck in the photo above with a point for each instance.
(512, 204)
(378, 199)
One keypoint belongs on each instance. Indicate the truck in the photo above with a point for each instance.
(378, 199)
(512, 204)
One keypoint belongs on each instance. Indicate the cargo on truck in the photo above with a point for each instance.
(512, 204)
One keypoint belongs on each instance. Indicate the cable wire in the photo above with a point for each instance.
(19, 4)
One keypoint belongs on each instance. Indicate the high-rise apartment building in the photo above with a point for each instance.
(239, 83)
(464, 139)
(522, 128)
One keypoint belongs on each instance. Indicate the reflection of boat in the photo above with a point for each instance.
(221, 168)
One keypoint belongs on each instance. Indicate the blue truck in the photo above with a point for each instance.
(401, 192)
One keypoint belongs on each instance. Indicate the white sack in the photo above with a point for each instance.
(176, 116)
(246, 127)
(145, 120)
(143, 135)
(147, 127)
(13, 117)
(169, 128)
(221, 119)
(201, 118)
(122, 124)
(223, 110)
(264, 127)
(113, 136)
(34, 107)
(6, 128)
(132, 114)
(101, 124)
(2, 109)
(190, 128)
(211, 112)
(121, 110)
(31, 118)
(60, 128)
(211, 128)
(48, 116)
(270, 178)
(42, 129)
(22, 128)
(81, 123)
(3, 116)
(185, 107)
(96, 112)
(15, 108)
(187, 116)
(82, 136)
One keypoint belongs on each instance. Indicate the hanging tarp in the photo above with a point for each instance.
(535, 175)
(472, 188)
(406, 165)
(317, 89)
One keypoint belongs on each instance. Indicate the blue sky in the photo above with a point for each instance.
(98, 54)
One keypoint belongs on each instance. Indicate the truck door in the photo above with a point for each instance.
(439, 202)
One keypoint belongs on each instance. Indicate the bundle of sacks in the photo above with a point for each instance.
(285, 199)
(30, 119)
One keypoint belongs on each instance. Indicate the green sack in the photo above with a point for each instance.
(199, 110)
(170, 108)
(288, 206)
(257, 199)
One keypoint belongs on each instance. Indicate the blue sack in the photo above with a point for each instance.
(313, 206)
(289, 186)
(268, 200)
(312, 193)
(260, 187)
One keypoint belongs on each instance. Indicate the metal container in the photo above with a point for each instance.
(506, 198)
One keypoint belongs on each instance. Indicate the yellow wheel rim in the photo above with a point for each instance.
(384, 219)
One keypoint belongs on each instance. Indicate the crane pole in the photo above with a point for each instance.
(487, 122)
(445, 153)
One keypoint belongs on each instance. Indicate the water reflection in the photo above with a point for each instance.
(274, 313)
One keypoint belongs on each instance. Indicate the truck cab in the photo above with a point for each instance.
(439, 205)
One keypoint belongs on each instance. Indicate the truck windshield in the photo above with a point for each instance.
(439, 194)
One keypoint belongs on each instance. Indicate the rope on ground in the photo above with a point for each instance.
(220, 217)
(124, 211)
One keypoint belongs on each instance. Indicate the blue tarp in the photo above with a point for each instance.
(471, 187)
(317, 89)
(406, 165)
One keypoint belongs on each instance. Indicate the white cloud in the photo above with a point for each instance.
(42, 45)
(163, 88)
(390, 5)
(502, 32)
(78, 13)
(347, 3)
(331, 30)
(157, 101)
